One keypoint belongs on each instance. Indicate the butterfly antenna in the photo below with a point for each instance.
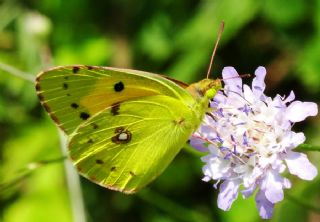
(242, 76)
(215, 48)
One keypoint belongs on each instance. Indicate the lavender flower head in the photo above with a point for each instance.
(250, 142)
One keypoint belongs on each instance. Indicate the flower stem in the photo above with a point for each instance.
(18, 73)
(307, 147)
(27, 171)
(73, 182)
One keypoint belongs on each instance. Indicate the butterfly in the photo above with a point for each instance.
(124, 126)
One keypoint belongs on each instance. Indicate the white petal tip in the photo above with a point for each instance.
(261, 70)
(299, 165)
(299, 111)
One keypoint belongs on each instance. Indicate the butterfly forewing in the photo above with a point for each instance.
(126, 147)
(73, 94)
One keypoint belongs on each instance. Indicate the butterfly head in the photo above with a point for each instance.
(206, 88)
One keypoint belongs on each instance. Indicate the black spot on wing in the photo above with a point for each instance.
(65, 86)
(113, 168)
(94, 126)
(75, 69)
(84, 115)
(132, 173)
(119, 86)
(115, 108)
(74, 105)
(99, 161)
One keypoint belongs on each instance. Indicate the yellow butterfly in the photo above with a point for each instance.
(124, 126)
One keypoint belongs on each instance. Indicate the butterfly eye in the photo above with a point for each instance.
(210, 93)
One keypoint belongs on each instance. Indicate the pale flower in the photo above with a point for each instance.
(250, 142)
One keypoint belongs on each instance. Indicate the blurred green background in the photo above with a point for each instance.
(174, 37)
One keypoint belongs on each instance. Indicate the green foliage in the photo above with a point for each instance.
(277, 13)
(171, 37)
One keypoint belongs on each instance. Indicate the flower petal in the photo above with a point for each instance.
(219, 98)
(248, 192)
(251, 142)
(258, 84)
(291, 140)
(215, 167)
(297, 138)
(272, 185)
(198, 144)
(228, 194)
(286, 183)
(232, 80)
(290, 97)
(248, 94)
(298, 111)
(264, 206)
(299, 165)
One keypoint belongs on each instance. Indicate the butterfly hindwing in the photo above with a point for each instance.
(72, 94)
(126, 146)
